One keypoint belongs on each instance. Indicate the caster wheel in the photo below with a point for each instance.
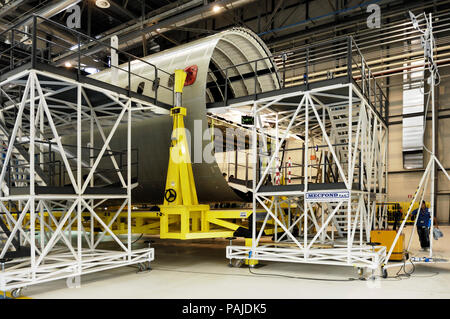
(16, 293)
(142, 267)
(361, 274)
(384, 273)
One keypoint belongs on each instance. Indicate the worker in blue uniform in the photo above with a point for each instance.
(4, 149)
(423, 225)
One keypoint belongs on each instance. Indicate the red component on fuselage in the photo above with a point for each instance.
(191, 75)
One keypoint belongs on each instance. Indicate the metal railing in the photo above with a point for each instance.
(29, 41)
(338, 58)
(55, 171)
(368, 84)
(241, 172)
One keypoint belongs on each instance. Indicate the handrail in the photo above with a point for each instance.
(314, 59)
(18, 36)
(55, 168)
(99, 42)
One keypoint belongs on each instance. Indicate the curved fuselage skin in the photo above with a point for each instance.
(152, 136)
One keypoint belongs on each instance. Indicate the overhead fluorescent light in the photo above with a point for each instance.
(90, 70)
(104, 4)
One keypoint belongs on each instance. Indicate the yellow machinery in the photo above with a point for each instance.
(403, 207)
(182, 217)
(180, 196)
(386, 238)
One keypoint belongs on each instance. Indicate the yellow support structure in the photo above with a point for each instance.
(180, 196)
(250, 262)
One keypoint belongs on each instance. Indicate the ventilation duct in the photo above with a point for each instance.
(413, 117)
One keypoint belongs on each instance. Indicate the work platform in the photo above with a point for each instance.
(343, 142)
(320, 194)
(43, 213)
(58, 167)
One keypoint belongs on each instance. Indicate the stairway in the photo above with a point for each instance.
(339, 117)
(340, 220)
(15, 250)
(19, 164)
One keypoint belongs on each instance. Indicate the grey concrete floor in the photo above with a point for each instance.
(198, 269)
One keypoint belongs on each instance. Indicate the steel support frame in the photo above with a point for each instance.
(429, 178)
(51, 225)
(359, 212)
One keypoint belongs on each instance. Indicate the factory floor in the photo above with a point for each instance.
(198, 269)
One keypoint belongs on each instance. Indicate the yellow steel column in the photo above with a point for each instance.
(180, 196)
(250, 262)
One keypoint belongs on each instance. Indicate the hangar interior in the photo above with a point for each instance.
(208, 149)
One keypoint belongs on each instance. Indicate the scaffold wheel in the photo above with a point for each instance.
(16, 293)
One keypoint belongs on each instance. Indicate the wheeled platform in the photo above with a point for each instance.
(51, 184)
(339, 167)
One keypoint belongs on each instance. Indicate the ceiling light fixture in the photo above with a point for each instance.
(104, 4)
(68, 65)
(216, 8)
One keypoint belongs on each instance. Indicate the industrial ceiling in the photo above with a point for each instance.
(147, 27)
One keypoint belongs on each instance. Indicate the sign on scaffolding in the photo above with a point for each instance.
(327, 196)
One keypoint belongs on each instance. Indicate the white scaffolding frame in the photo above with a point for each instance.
(353, 209)
(429, 176)
(50, 224)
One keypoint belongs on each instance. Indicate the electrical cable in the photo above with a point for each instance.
(198, 272)
(302, 278)
(434, 274)
(253, 274)
(432, 67)
(410, 274)
(405, 274)
(398, 276)
(137, 239)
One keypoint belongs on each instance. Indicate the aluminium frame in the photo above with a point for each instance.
(52, 225)
(357, 211)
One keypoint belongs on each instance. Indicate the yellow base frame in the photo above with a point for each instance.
(175, 222)
(198, 221)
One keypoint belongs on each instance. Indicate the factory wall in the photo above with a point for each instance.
(403, 183)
